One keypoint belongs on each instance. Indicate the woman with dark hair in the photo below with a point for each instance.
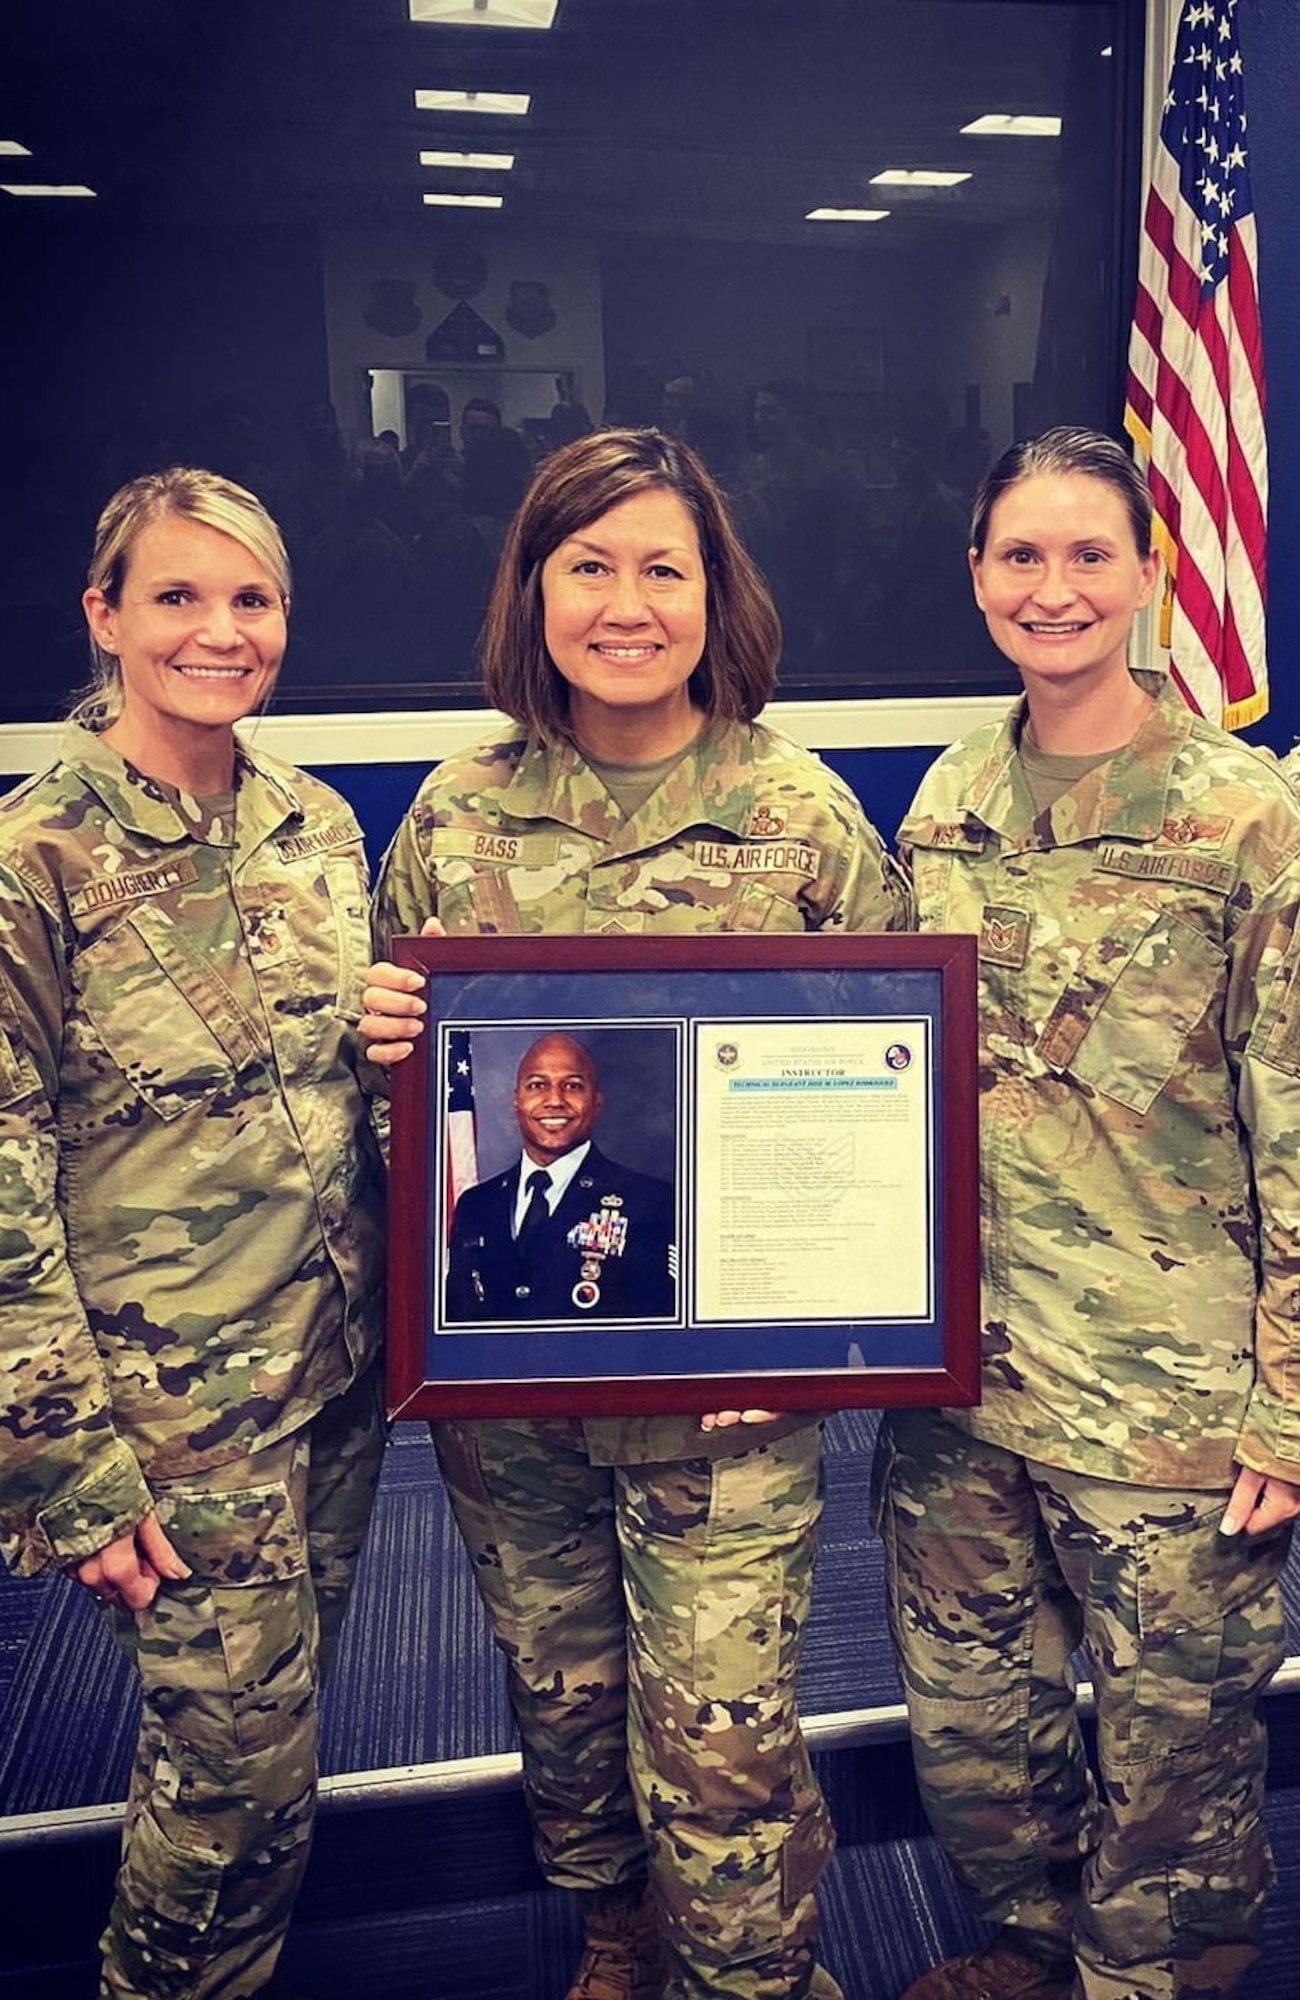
(1129, 1478)
(191, 1262)
(648, 1580)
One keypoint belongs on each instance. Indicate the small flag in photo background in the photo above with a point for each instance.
(462, 1131)
(1195, 389)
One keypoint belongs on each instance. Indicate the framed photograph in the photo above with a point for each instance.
(639, 1175)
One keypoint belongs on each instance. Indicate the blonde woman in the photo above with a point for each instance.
(190, 1272)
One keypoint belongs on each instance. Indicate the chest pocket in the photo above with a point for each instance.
(1123, 1021)
(170, 1023)
(932, 874)
(482, 905)
(756, 906)
(345, 882)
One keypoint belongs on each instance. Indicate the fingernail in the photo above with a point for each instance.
(1229, 1525)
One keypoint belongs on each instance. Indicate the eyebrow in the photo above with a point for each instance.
(1012, 541)
(600, 549)
(188, 583)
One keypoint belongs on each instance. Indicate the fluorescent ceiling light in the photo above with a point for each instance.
(1011, 125)
(917, 177)
(496, 163)
(491, 103)
(11, 149)
(463, 200)
(37, 187)
(485, 13)
(846, 215)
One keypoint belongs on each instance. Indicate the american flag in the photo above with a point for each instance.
(462, 1130)
(1195, 390)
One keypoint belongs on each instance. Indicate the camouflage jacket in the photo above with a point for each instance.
(748, 833)
(1140, 1096)
(190, 1262)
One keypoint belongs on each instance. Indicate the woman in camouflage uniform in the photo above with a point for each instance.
(190, 1269)
(1133, 875)
(648, 1580)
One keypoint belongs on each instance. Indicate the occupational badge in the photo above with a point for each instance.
(766, 823)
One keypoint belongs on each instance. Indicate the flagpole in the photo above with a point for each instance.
(1146, 646)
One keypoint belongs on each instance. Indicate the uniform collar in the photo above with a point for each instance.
(1123, 799)
(144, 807)
(713, 785)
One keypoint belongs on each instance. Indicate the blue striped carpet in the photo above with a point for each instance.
(417, 1679)
(391, 1896)
(889, 1910)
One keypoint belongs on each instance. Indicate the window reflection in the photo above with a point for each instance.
(385, 374)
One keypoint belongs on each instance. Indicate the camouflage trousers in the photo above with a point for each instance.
(997, 1569)
(651, 1618)
(223, 1791)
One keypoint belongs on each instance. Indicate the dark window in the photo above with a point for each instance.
(258, 284)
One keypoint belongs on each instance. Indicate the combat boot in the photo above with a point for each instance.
(999, 1972)
(623, 1956)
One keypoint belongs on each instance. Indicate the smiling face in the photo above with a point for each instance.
(624, 603)
(557, 1099)
(199, 632)
(1061, 578)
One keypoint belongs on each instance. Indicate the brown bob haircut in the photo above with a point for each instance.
(571, 489)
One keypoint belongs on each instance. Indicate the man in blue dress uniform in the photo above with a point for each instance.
(565, 1233)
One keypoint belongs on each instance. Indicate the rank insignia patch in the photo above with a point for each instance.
(1004, 935)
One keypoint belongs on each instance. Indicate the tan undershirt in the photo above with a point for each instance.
(1050, 775)
(630, 785)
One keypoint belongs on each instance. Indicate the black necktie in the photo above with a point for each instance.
(538, 1209)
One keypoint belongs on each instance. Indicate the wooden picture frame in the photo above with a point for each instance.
(802, 1108)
